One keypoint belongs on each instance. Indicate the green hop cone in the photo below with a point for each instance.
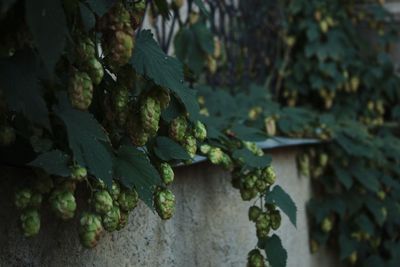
(161, 95)
(136, 132)
(269, 175)
(275, 219)
(226, 162)
(102, 202)
(248, 194)
(95, 70)
(85, 50)
(167, 174)
(119, 50)
(254, 213)
(255, 259)
(263, 225)
(23, 198)
(90, 229)
(115, 190)
(128, 199)
(150, 112)
(121, 104)
(80, 89)
(177, 129)
(164, 202)
(216, 155)
(78, 173)
(304, 164)
(327, 225)
(253, 148)
(323, 159)
(123, 220)
(205, 149)
(111, 219)
(63, 203)
(190, 144)
(250, 181)
(7, 136)
(200, 131)
(30, 222)
(261, 185)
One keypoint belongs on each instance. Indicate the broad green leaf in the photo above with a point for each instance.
(47, 23)
(248, 133)
(343, 176)
(347, 246)
(134, 169)
(53, 162)
(276, 254)
(87, 140)
(204, 37)
(100, 6)
(366, 177)
(88, 18)
(250, 159)
(149, 60)
(281, 199)
(20, 83)
(166, 149)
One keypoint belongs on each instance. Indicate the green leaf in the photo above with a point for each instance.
(347, 246)
(248, 133)
(47, 23)
(149, 60)
(201, 6)
(100, 6)
(281, 199)
(133, 168)
(366, 177)
(53, 162)
(251, 160)
(20, 83)
(166, 149)
(88, 18)
(87, 140)
(204, 37)
(343, 176)
(276, 254)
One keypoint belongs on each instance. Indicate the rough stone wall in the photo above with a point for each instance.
(210, 228)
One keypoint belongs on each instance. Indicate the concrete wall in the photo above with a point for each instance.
(210, 228)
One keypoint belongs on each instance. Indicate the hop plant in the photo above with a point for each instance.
(90, 229)
(327, 225)
(111, 219)
(63, 203)
(253, 148)
(164, 202)
(136, 132)
(167, 174)
(102, 202)
(269, 175)
(85, 50)
(43, 184)
(263, 225)
(254, 213)
(200, 132)
(190, 145)
(68, 185)
(30, 222)
(95, 70)
(150, 112)
(161, 95)
(215, 155)
(128, 199)
(123, 220)
(115, 191)
(177, 129)
(250, 181)
(78, 173)
(80, 90)
(7, 135)
(248, 194)
(23, 198)
(255, 259)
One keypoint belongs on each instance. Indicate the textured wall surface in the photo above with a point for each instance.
(210, 228)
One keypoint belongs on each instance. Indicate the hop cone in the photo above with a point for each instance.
(30, 222)
(164, 201)
(253, 148)
(263, 225)
(200, 131)
(248, 194)
(150, 112)
(136, 132)
(250, 181)
(111, 219)
(254, 213)
(269, 175)
(95, 70)
(128, 200)
(123, 220)
(78, 173)
(190, 144)
(216, 155)
(80, 90)
(167, 174)
(177, 129)
(115, 191)
(102, 202)
(23, 198)
(7, 135)
(119, 50)
(255, 259)
(85, 50)
(161, 95)
(90, 229)
(275, 219)
(63, 204)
